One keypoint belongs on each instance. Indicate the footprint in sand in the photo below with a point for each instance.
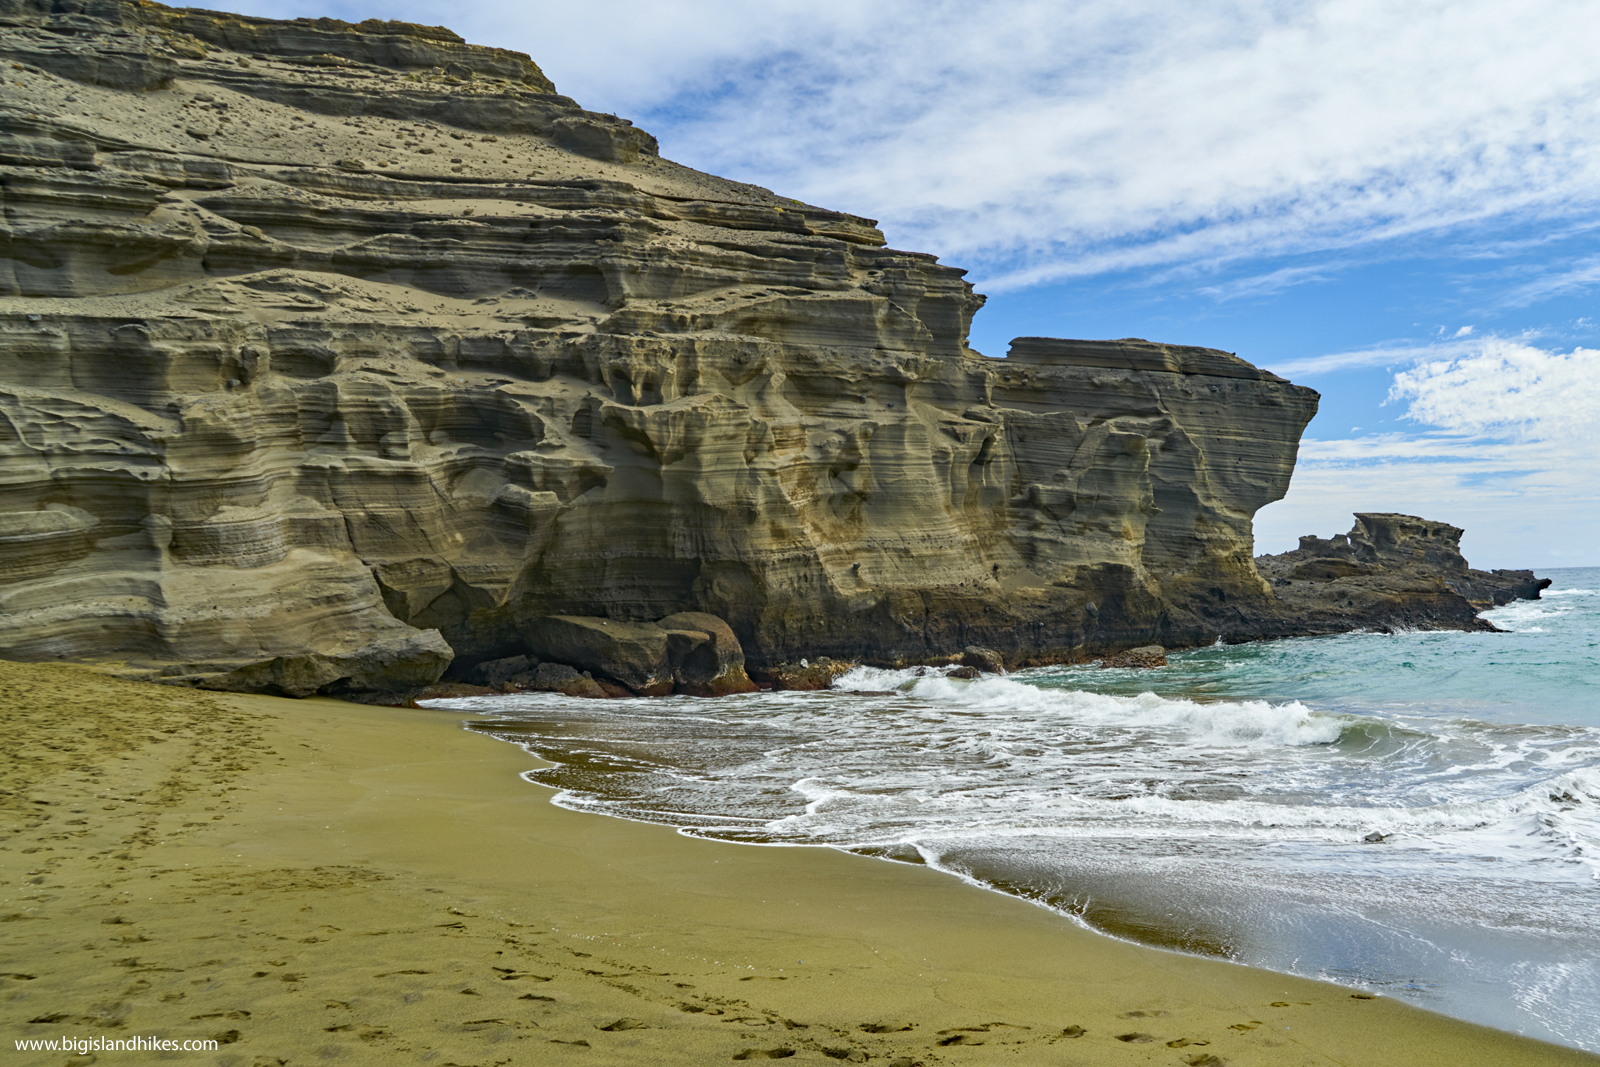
(508, 975)
(624, 1024)
(1205, 1060)
(1136, 1038)
(1073, 1031)
(1251, 1025)
(885, 1028)
(1184, 1042)
(764, 1054)
(962, 1035)
(849, 1055)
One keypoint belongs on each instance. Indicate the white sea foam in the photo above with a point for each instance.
(1520, 614)
(1220, 723)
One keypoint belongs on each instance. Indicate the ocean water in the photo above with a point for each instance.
(1415, 814)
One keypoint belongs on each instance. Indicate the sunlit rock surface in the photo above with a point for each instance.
(330, 352)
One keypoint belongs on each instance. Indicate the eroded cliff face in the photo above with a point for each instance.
(330, 354)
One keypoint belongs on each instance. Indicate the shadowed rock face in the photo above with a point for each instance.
(330, 352)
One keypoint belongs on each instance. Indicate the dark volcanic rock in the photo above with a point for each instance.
(498, 672)
(690, 652)
(396, 661)
(711, 668)
(560, 678)
(1389, 572)
(1486, 589)
(805, 676)
(1143, 657)
(632, 654)
(986, 660)
(406, 698)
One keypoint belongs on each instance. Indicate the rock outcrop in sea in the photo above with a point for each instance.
(1390, 571)
(333, 356)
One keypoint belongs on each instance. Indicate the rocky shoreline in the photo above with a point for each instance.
(1390, 572)
(343, 359)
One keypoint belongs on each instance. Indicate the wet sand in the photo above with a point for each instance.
(313, 881)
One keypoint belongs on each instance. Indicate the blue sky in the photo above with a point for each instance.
(1396, 204)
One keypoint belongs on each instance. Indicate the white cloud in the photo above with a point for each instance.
(1047, 139)
(1509, 388)
(1050, 140)
(1397, 353)
(1411, 448)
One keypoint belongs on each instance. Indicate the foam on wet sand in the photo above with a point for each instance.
(306, 880)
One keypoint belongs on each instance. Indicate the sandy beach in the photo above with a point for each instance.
(320, 881)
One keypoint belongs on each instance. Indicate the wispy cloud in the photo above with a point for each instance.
(1042, 140)
(1397, 353)
(1577, 277)
(1260, 285)
(1505, 387)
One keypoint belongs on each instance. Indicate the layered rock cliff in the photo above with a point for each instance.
(332, 355)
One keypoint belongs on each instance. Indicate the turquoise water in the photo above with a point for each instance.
(1416, 813)
(1546, 671)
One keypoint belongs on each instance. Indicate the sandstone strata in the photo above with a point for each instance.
(1389, 572)
(333, 354)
